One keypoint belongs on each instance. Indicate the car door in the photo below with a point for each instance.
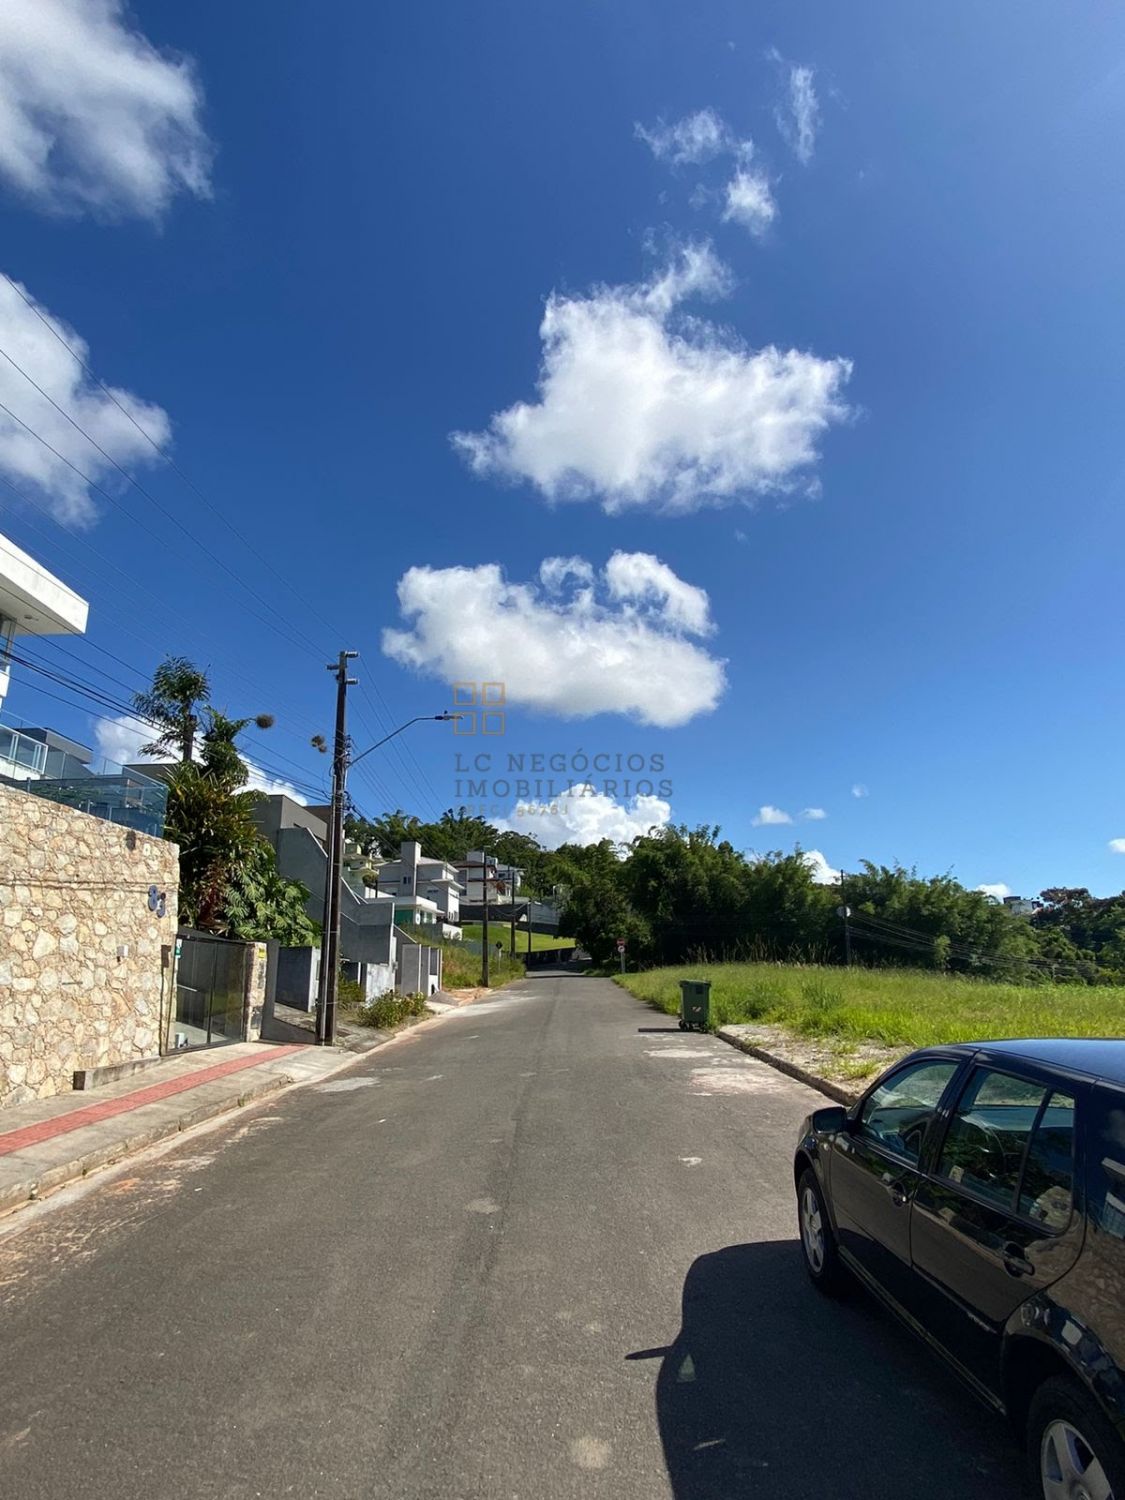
(993, 1222)
(875, 1167)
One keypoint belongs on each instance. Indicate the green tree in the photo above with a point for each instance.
(179, 689)
(260, 903)
(383, 837)
(229, 882)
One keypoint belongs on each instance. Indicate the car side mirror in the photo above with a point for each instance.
(833, 1120)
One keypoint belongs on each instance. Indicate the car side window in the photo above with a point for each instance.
(897, 1113)
(1047, 1189)
(989, 1133)
(1106, 1154)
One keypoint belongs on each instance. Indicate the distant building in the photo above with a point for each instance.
(478, 869)
(427, 892)
(1019, 907)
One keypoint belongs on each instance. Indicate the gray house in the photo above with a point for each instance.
(373, 950)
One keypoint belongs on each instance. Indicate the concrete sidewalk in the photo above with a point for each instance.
(54, 1141)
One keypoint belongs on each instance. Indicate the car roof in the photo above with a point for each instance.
(1100, 1057)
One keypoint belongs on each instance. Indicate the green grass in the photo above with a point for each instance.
(474, 932)
(897, 1007)
(460, 969)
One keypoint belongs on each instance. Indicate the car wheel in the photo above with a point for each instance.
(818, 1243)
(1072, 1449)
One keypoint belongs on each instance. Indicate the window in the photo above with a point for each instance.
(1048, 1176)
(897, 1113)
(1000, 1120)
(1106, 1152)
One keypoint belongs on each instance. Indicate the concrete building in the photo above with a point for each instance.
(1019, 906)
(478, 867)
(368, 943)
(32, 602)
(426, 892)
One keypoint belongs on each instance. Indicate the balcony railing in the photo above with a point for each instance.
(20, 756)
(126, 797)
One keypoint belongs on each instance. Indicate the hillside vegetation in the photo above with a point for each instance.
(897, 1007)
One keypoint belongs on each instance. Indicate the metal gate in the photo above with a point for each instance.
(211, 978)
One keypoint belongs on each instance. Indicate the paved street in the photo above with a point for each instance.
(544, 1247)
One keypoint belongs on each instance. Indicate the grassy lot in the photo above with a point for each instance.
(461, 969)
(895, 1007)
(473, 931)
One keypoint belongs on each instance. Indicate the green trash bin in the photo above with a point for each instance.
(695, 1004)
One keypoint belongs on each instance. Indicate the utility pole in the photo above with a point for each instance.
(484, 925)
(845, 912)
(330, 937)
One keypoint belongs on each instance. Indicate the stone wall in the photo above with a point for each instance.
(85, 966)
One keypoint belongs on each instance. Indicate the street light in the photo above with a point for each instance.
(330, 937)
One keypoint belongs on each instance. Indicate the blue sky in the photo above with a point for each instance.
(326, 247)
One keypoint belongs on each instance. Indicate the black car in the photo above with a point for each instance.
(979, 1191)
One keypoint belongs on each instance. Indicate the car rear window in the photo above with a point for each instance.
(1047, 1188)
(1106, 1153)
(1011, 1141)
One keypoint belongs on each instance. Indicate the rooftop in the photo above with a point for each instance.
(37, 601)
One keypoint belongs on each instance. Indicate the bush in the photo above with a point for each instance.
(349, 992)
(387, 1011)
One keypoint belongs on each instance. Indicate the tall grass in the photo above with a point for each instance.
(461, 969)
(897, 1007)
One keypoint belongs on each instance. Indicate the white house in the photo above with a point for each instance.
(32, 602)
(477, 868)
(427, 892)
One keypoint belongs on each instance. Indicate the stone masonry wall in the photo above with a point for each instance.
(82, 976)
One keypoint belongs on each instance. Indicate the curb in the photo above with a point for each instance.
(17, 1194)
(35, 1186)
(834, 1091)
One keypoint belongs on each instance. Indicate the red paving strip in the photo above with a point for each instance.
(45, 1130)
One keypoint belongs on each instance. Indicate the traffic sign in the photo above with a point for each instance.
(621, 945)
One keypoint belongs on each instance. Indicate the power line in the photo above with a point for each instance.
(190, 628)
(103, 699)
(155, 446)
(113, 500)
(410, 766)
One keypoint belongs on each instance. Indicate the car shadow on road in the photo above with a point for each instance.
(772, 1390)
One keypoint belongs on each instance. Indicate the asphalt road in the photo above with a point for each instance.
(542, 1248)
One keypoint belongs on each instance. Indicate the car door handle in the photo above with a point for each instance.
(1015, 1262)
(899, 1195)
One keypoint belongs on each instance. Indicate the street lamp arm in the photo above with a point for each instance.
(354, 760)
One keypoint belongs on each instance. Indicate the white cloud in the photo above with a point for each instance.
(750, 201)
(798, 117)
(555, 571)
(641, 578)
(997, 891)
(24, 459)
(615, 643)
(859, 790)
(1117, 846)
(587, 816)
(768, 816)
(694, 139)
(813, 814)
(822, 871)
(122, 740)
(637, 407)
(92, 116)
